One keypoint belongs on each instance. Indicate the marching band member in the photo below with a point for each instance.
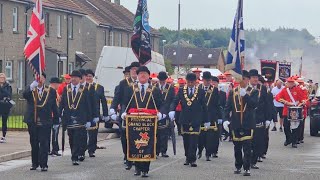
(241, 103)
(291, 96)
(42, 113)
(194, 112)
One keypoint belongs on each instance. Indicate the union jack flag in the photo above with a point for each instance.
(34, 49)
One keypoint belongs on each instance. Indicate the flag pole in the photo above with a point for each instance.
(178, 48)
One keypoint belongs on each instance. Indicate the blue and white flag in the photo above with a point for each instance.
(236, 48)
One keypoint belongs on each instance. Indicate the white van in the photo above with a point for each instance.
(112, 62)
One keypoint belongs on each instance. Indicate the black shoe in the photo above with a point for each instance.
(56, 154)
(246, 173)
(44, 169)
(274, 129)
(259, 159)
(50, 153)
(281, 129)
(164, 155)
(208, 158)
(214, 155)
(32, 168)
(286, 143)
(199, 155)
(301, 141)
(254, 166)
(193, 164)
(128, 167)
(137, 173)
(263, 156)
(186, 163)
(237, 171)
(294, 146)
(144, 174)
(81, 158)
(92, 155)
(75, 163)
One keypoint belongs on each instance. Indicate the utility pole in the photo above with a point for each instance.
(178, 48)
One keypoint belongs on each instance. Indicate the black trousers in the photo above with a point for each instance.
(301, 130)
(210, 141)
(84, 142)
(142, 166)
(76, 142)
(39, 140)
(242, 154)
(4, 123)
(266, 141)
(92, 142)
(54, 140)
(190, 143)
(258, 144)
(124, 145)
(162, 140)
(291, 135)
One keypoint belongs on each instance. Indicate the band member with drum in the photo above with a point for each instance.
(262, 114)
(142, 96)
(167, 95)
(101, 99)
(305, 111)
(118, 99)
(194, 113)
(75, 106)
(241, 103)
(42, 113)
(209, 138)
(293, 99)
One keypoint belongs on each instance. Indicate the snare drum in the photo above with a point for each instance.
(295, 113)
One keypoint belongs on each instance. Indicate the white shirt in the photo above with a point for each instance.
(274, 92)
(77, 87)
(191, 90)
(40, 90)
(145, 86)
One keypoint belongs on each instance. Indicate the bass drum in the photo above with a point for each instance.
(295, 114)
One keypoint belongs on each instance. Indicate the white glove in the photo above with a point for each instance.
(207, 125)
(164, 116)
(171, 114)
(88, 125)
(123, 115)
(96, 120)
(219, 121)
(106, 118)
(268, 123)
(243, 92)
(159, 116)
(114, 117)
(112, 112)
(33, 85)
(60, 120)
(56, 127)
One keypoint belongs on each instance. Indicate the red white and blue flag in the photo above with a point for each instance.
(34, 49)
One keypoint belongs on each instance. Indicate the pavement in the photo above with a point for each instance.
(281, 163)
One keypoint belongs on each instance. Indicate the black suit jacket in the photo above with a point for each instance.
(167, 96)
(120, 93)
(93, 100)
(250, 102)
(263, 111)
(101, 99)
(194, 114)
(47, 109)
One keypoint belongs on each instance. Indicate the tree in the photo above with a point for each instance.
(168, 65)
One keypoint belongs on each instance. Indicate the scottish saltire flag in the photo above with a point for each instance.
(34, 49)
(236, 48)
(140, 41)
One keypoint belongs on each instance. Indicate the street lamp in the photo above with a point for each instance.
(163, 42)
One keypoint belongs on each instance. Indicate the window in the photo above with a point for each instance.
(9, 70)
(111, 38)
(15, 19)
(70, 68)
(70, 28)
(59, 26)
(20, 75)
(47, 23)
(1, 6)
(120, 39)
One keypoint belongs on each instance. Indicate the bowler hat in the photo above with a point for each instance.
(55, 80)
(76, 73)
(206, 75)
(89, 71)
(135, 64)
(214, 78)
(126, 69)
(253, 72)
(143, 69)
(162, 76)
(191, 77)
(245, 74)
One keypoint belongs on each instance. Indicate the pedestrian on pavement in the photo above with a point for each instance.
(42, 113)
(279, 106)
(5, 104)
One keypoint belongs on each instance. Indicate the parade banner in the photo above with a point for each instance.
(268, 70)
(284, 71)
(141, 135)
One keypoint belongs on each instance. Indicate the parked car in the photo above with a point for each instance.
(315, 114)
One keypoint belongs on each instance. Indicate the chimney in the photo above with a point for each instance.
(117, 2)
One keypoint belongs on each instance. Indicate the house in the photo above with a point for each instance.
(196, 57)
(76, 31)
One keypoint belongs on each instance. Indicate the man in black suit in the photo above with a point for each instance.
(142, 95)
(194, 112)
(167, 95)
(76, 108)
(118, 99)
(101, 99)
(262, 113)
(42, 113)
(241, 103)
(209, 137)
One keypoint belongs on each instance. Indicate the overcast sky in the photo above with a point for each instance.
(220, 13)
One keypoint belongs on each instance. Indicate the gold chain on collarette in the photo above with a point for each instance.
(185, 92)
(74, 98)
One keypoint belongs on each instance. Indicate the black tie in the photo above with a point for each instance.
(206, 89)
(142, 90)
(190, 93)
(74, 91)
